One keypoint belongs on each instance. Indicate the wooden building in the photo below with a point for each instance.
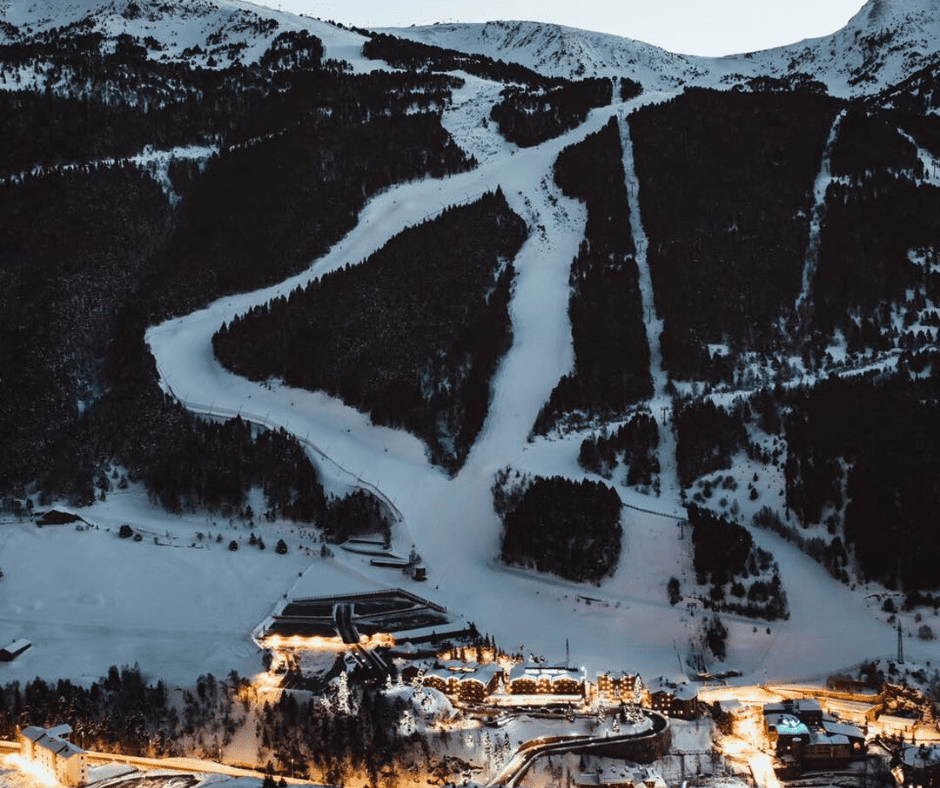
(11, 651)
(677, 699)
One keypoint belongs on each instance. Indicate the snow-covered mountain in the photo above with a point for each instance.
(207, 33)
(886, 41)
(763, 258)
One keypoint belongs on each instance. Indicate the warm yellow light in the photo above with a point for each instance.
(266, 681)
(297, 642)
(31, 768)
(319, 643)
(379, 639)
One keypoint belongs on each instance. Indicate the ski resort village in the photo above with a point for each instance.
(472, 404)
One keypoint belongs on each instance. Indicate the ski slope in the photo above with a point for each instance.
(182, 606)
(627, 622)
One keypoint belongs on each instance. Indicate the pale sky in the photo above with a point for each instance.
(691, 27)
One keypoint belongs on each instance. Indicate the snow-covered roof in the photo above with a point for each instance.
(843, 729)
(483, 674)
(59, 730)
(822, 738)
(539, 672)
(16, 646)
(51, 739)
(921, 755)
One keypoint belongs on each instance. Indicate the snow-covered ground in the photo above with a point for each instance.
(88, 599)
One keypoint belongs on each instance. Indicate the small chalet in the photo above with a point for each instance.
(823, 751)
(674, 698)
(798, 729)
(11, 651)
(476, 687)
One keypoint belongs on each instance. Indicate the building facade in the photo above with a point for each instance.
(55, 754)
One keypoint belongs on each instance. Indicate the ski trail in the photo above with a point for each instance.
(542, 350)
(661, 401)
(930, 162)
(823, 179)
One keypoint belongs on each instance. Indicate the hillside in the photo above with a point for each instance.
(253, 277)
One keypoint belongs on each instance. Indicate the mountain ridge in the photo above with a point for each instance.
(847, 61)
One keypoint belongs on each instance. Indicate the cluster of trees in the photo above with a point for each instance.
(359, 729)
(412, 335)
(66, 238)
(113, 104)
(726, 184)
(708, 437)
(264, 209)
(417, 57)
(571, 529)
(869, 141)
(871, 226)
(123, 713)
(868, 446)
(633, 444)
(725, 555)
(530, 117)
(612, 361)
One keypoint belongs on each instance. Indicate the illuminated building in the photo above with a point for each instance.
(618, 685)
(531, 679)
(57, 756)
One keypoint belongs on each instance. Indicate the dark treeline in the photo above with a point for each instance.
(725, 556)
(611, 352)
(871, 445)
(867, 142)
(830, 552)
(571, 529)
(925, 129)
(74, 246)
(708, 437)
(633, 444)
(411, 336)
(415, 56)
(871, 227)
(262, 212)
(122, 713)
(726, 182)
(113, 105)
(306, 739)
(526, 117)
